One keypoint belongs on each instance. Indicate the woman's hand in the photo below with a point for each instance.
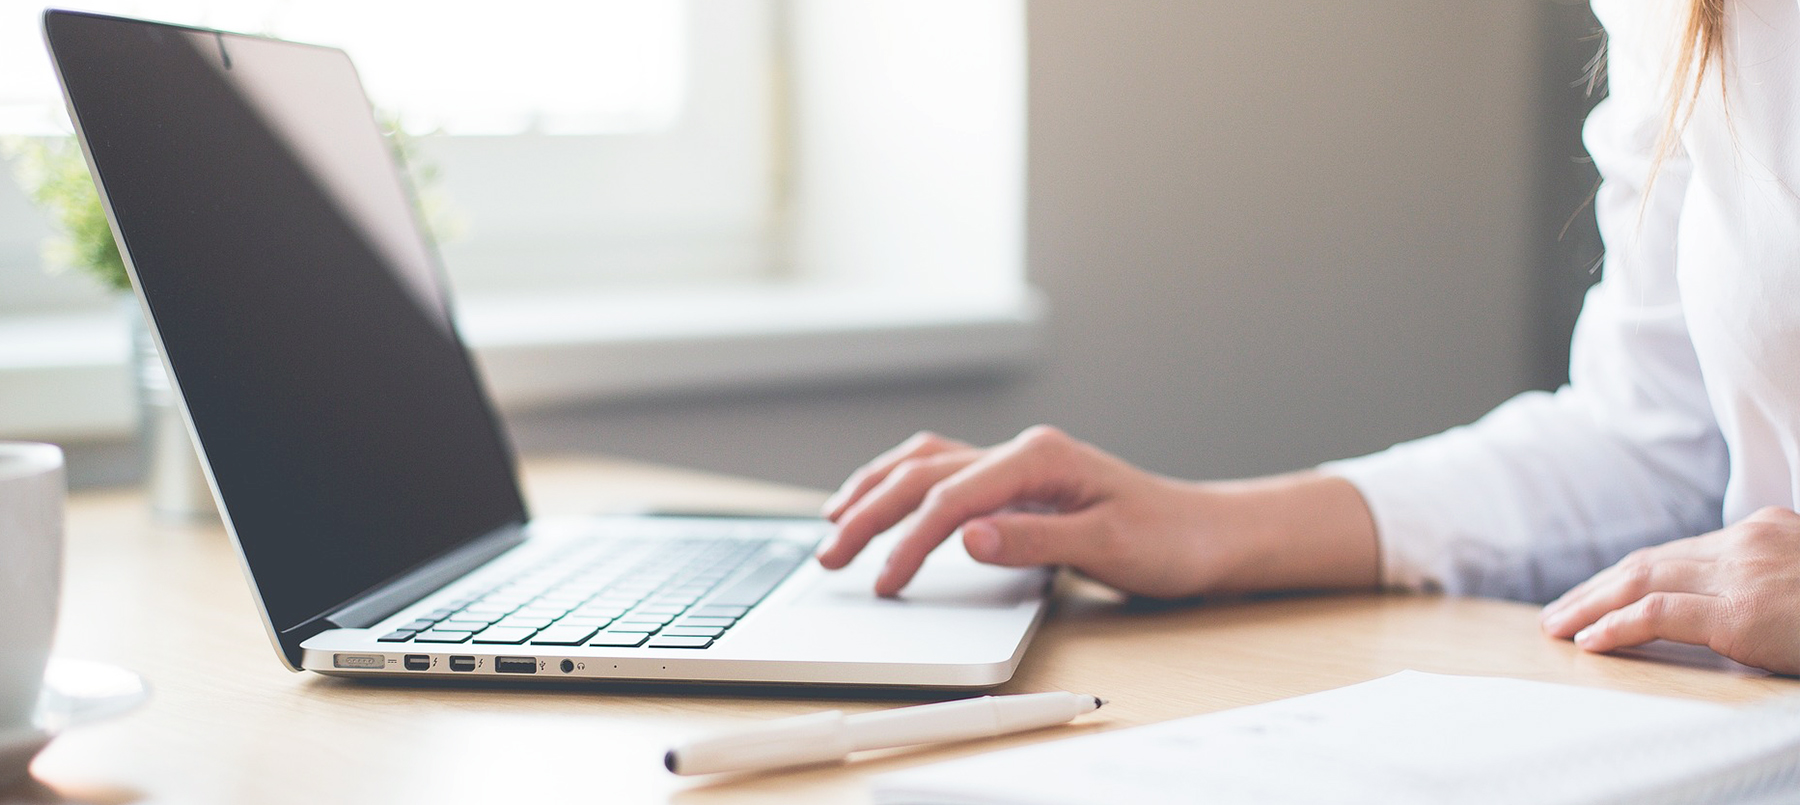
(1045, 498)
(1736, 591)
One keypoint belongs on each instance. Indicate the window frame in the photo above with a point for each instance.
(899, 250)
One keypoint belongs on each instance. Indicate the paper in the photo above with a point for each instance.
(1407, 738)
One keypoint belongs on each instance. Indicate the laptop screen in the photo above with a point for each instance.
(301, 309)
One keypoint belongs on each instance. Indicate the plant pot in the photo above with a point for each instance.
(173, 478)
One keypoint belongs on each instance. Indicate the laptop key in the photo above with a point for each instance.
(398, 636)
(684, 641)
(620, 639)
(561, 635)
(562, 597)
(520, 622)
(471, 628)
(494, 606)
(703, 621)
(647, 627)
(661, 609)
(498, 634)
(485, 608)
(613, 598)
(693, 631)
(441, 636)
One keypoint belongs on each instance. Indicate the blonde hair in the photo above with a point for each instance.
(1700, 44)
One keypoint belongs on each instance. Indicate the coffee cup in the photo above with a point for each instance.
(32, 489)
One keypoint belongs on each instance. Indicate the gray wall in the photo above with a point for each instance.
(1566, 241)
(1271, 234)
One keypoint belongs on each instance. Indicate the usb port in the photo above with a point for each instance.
(515, 665)
(418, 662)
(462, 663)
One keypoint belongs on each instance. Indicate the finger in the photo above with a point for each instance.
(884, 506)
(1620, 585)
(1681, 617)
(1039, 465)
(867, 476)
(1028, 539)
(1697, 548)
(1573, 594)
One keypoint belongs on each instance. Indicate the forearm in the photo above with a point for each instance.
(1299, 531)
(1045, 498)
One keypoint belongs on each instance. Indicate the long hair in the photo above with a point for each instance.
(1700, 44)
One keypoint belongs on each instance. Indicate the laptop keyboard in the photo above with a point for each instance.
(619, 593)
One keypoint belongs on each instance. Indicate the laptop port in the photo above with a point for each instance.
(418, 662)
(364, 661)
(462, 663)
(515, 665)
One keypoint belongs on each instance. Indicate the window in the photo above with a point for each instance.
(651, 195)
(561, 67)
(579, 141)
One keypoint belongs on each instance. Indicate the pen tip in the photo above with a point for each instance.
(669, 760)
(1099, 702)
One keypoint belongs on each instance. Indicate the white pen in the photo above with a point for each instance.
(831, 736)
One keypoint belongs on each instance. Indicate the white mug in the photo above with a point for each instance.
(32, 488)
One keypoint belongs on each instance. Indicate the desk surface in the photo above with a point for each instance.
(228, 724)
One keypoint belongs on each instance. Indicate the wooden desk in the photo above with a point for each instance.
(228, 724)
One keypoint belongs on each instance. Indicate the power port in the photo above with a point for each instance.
(515, 665)
(418, 662)
(568, 666)
(459, 663)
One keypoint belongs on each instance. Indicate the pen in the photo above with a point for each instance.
(831, 736)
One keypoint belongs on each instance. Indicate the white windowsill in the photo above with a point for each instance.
(64, 377)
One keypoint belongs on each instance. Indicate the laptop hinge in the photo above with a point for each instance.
(371, 607)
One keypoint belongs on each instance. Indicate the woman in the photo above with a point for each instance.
(1665, 474)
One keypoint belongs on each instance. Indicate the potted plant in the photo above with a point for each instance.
(55, 173)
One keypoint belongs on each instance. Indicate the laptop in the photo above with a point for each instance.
(357, 460)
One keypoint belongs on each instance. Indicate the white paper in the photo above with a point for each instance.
(1407, 738)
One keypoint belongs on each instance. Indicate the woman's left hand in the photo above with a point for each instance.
(1736, 591)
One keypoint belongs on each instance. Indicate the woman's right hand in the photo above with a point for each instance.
(1044, 498)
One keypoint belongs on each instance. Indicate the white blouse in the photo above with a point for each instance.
(1683, 408)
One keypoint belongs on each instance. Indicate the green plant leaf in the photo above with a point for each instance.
(53, 171)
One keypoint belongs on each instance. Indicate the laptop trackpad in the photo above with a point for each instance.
(949, 579)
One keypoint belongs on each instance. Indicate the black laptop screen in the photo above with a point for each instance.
(300, 307)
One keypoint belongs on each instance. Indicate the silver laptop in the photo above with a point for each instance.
(355, 456)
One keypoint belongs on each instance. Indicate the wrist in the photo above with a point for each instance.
(1299, 531)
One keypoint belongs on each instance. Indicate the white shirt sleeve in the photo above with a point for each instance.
(1549, 488)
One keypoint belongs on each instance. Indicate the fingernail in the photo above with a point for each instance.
(982, 541)
(1585, 636)
(1551, 620)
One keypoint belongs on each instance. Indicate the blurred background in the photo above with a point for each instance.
(774, 237)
